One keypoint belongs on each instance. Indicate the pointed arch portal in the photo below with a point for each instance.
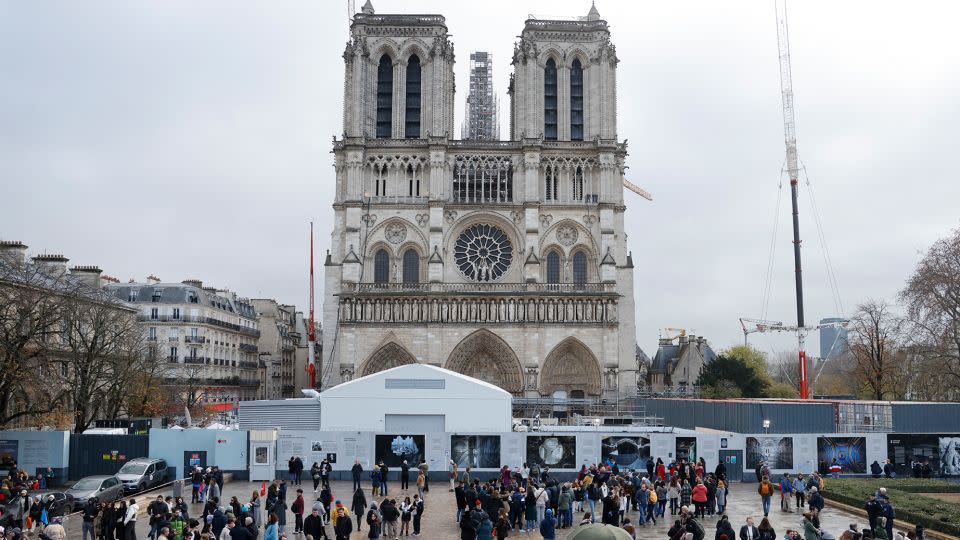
(484, 355)
(388, 356)
(571, 366)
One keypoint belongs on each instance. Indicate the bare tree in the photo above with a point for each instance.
(932, 298)
(31, 317)
(875, 338)
(102, 348)
(190, 393)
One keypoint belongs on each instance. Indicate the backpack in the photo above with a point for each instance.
(765, 490)
(653, 497)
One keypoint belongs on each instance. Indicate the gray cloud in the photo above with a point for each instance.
(192, 139)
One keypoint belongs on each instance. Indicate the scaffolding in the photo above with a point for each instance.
(549, 411)
(481, 121)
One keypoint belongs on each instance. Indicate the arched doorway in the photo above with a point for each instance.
(572, 368)
(483, 355)
(390, 355)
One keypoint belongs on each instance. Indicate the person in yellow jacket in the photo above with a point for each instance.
(335, 513)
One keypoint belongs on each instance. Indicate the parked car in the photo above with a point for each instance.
(141, 474)
(105, 488)
(59, 506)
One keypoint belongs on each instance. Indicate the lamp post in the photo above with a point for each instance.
(766, 426)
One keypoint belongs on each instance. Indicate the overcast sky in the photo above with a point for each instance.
(192, 140)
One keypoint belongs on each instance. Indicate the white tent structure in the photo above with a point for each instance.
(416, 398)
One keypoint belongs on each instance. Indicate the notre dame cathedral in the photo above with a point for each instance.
(503, 260)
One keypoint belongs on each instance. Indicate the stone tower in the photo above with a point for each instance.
(503, 260)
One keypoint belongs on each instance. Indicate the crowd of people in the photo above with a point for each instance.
(523, 500)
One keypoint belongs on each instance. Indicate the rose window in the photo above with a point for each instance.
(483, 253)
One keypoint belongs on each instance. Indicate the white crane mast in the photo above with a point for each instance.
(786, 90)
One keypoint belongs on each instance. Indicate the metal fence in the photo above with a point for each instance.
(582, 412)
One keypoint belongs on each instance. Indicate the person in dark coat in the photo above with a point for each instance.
(724, 528)
(313, 526)
(218, 523)
(875, 469)
(344, 525)
(359, 506)
(356, 471)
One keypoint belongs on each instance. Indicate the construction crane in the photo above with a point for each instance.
(756, 325)
(311, 326)
(637, 189)
(793, 169)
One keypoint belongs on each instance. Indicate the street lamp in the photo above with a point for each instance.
(766, 425)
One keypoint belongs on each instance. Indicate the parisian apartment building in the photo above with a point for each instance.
(278, 344)
(205, 335)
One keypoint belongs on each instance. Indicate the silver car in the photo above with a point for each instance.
(104, 488)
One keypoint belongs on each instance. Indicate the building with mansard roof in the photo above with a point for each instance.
(504, 260)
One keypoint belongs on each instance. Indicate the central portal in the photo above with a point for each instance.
(485, 356)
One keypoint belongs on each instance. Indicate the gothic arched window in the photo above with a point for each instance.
(384, 97)
(577, 183)
(381, 266)
(576, 101)
(412, 129)
(413, 182)
(411, 266)
(551, 185)
(580, 268)
(553, 267)
(550, 100)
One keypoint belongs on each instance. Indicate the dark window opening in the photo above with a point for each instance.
(550, 101)
(576, 101)
(411, 266)
(580, 268)
(381, 267)
(384, 98)
(412, 128)
(553, 267)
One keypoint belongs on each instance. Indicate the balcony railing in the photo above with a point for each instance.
(173, 339)
(196, 360)
(194, 339)
(247, 347)
(249, 365)
(199, 320)
(481, 288)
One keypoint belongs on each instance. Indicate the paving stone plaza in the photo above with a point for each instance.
(440, 512)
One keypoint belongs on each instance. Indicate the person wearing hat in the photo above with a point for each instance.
(55, 530)
(22, 509)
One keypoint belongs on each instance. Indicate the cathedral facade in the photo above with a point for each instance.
(503, 260)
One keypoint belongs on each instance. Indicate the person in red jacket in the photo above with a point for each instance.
(661, 470)
(699, 497)
(297, 508)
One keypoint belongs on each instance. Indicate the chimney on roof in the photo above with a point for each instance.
(193, 283)
(13, 251)
(53, 265)
(88, 275)
(153, 280)
(109, 279)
